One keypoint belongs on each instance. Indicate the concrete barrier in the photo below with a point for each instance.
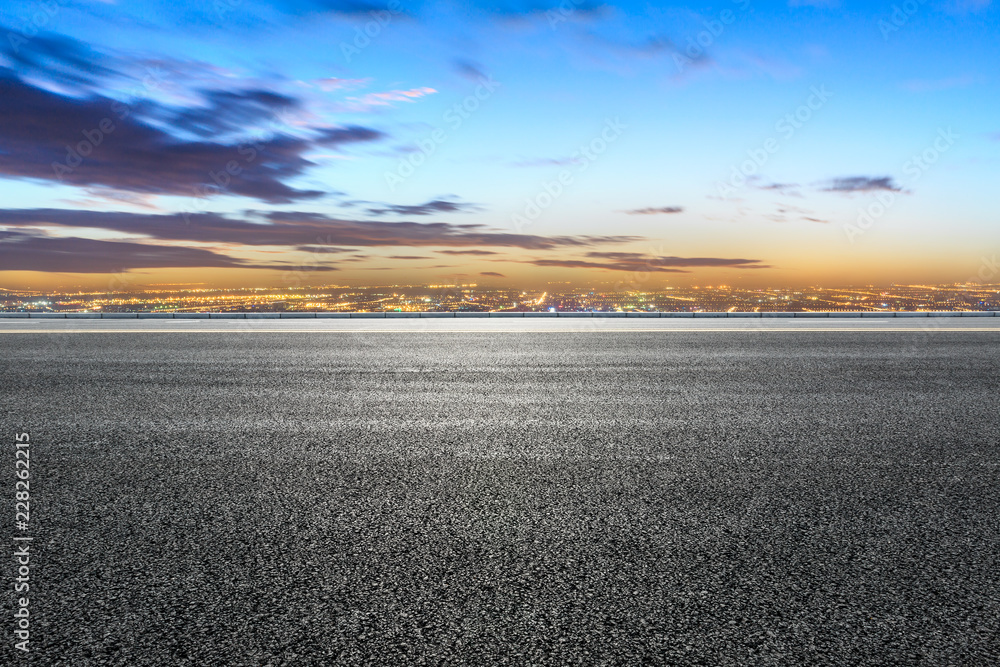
(506, 313)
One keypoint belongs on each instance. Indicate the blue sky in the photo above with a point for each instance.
(635, 143)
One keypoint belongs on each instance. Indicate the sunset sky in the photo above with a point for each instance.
(246, 143)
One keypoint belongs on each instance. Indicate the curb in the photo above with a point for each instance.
(433, 314)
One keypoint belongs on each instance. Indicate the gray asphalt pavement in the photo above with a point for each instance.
(493, 494)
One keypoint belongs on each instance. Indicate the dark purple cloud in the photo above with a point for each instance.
(98, 141)
(656, 210)
(862, 184)
(492, 274)
(638, 263)
(57, 58)
(295, 228)
(28, 252)
(434, 206)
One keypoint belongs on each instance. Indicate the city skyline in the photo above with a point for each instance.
(303, 142)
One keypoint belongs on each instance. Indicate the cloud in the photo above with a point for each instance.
(98, 141)
(407, 257)
(862, 184)
(348, 8)
(492, 274)
(323, 249)
(467, 252)
(433, 206)
(551, 11)
(638, 262)
(330, 84)
(654, 211)
(230, 112)
(937, 85)
(295, 228)
(30, 252)
(385, 99)
(469, 69)
(57, 58)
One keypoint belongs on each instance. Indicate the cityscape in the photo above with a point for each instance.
(557, 297)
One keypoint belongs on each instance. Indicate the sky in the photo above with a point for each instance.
(632, 145)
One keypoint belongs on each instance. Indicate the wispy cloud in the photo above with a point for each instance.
(862, 184)
(656, 210)
(637, 262)
(20, 251)
(296, 229)
(428, 208)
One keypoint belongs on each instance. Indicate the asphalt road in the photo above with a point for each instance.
(401, 494)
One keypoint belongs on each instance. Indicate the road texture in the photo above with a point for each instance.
(494, 493)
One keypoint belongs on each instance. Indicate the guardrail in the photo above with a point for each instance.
(396, 314)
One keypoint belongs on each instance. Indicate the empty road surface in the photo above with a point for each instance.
(491, 492)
